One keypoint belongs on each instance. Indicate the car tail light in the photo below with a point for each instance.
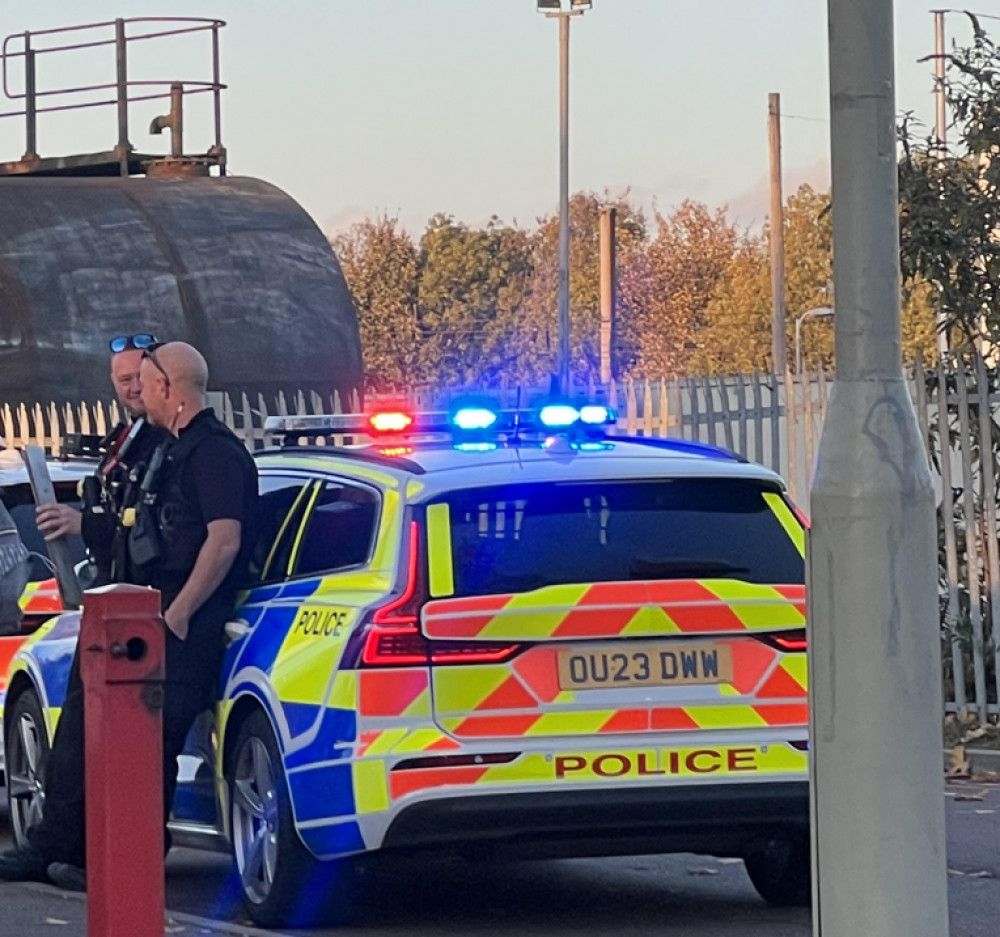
(455, 652)
(403, 610)
(799, 513)
(394, 638)
(788, 641)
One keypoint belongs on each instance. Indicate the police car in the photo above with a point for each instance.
(40, 599)
(497, 633)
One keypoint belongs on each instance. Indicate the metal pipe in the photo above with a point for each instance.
(217, 95)
(121, 57)
(176, 119)
(30, 102)
(875, 658)
(820, 311)
(564, 345)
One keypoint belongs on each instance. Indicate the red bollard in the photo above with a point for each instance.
(122, 652)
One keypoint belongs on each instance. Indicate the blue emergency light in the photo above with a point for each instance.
(473, 419)
(558, 416)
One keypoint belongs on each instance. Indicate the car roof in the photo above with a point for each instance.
(13, 472)
(430, 467)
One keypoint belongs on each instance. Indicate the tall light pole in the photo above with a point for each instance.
(940, 132)
(557, 9)
(779, 347)
(874, 638)
(809, 314)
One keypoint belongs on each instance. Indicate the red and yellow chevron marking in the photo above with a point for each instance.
(395, 692)
(656, 765)
(617, 609)
(8, 648)
(524, 699)
(398, 741)
(41, 598)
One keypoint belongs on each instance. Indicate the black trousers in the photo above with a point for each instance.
(61, 834)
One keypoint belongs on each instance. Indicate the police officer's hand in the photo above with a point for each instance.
(177, 621)
(58, 520)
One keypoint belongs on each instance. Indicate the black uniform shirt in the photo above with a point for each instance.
(213, 478)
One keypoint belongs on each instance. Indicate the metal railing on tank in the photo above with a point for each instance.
(26, 53)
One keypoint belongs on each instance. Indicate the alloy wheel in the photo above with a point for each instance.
(255, 819)
(25, 779)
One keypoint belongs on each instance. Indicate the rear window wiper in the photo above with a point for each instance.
(644, 568)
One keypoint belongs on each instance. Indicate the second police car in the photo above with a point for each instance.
(501, 633)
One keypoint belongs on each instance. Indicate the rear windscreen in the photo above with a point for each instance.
(523, 537)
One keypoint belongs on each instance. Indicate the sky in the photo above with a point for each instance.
(413, 107)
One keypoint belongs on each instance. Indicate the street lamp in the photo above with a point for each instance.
(563, 11)
(812, 313)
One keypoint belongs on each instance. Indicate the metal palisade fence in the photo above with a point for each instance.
(776, 421)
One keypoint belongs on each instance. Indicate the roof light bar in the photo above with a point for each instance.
(596, 414)
(475, 446)
(315, 424)
(390, 421)
(383, 422)
(468, 422)
(558, 415)
(472, 419)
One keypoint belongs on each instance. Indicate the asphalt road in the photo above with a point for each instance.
(662, 895)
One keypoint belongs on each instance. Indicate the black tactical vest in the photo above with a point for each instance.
(178, 520)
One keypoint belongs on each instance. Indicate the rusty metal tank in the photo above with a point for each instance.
(233, 265)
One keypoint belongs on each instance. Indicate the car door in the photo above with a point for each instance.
(261, 620)
(329, 574)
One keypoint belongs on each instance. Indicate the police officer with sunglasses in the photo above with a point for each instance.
(113, 488)
(128, 448)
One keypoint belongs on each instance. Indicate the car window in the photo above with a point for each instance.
(524, 537)
(280, 509)
(21, 504)
(339, 530)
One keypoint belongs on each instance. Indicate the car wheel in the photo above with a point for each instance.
(26, 748)
(282, 883)
(780, 871)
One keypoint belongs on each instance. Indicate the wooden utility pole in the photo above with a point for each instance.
(609, 292)
(779, 348)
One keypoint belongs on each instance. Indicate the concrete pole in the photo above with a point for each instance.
(609, 277)
(564, 372)
(875, 664)
(941, 132)
(779, 345)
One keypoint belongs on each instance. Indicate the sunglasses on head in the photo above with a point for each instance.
(149, 354)
(124, 342)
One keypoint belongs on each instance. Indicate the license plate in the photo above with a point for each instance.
(640, 665)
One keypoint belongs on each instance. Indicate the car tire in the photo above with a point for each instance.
(780, 871)
(282, 884)
(26, 750)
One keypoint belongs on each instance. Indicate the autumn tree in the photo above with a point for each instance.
(949, 247)
(685, 263)
(737, 333)
(379, 261)
(537, 338)
(472, 283)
